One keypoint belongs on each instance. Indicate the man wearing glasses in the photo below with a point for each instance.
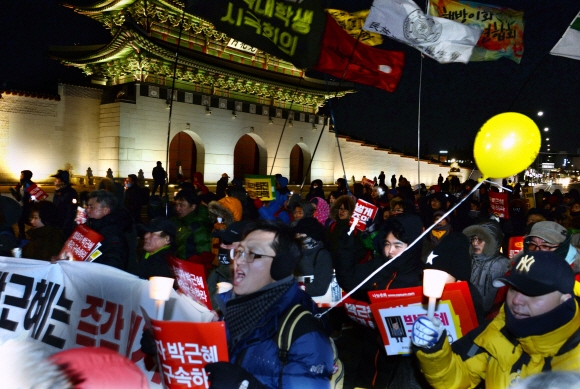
(264, 289)
(486, 262)
(551, 236)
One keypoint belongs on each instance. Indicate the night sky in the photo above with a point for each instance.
(456, 98)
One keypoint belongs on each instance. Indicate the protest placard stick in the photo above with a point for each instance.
(353, 225)
(160, 290)
(433, 284)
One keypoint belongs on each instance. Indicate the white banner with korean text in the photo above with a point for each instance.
(75, 304)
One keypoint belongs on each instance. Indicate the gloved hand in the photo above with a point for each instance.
(148, 345)
(225, 375)
(426, 333)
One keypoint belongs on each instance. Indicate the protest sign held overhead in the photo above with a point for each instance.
(441, 39)
(503, 28)
(261, 187)
(290, 30)
(342, 56)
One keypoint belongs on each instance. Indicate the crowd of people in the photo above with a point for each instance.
(282, 253)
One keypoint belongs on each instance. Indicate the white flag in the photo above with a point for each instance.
(441, 39)
(569, 44)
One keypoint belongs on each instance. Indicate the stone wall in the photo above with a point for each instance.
(80, 132)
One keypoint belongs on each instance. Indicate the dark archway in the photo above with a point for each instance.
(182, 152)
(296, 165)
(246, 157)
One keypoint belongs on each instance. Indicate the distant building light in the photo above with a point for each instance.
(443, 152)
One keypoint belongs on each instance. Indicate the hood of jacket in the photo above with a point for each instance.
(490, 232)
(413, 227)
(216, 209)
(344, 199)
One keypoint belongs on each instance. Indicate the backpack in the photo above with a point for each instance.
(296, 322)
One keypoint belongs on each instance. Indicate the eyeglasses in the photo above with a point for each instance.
(532, 246)
(238, 254)
(476, 240)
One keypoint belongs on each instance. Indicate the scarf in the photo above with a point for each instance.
(244, 312)
(438, 233)
(541, 324)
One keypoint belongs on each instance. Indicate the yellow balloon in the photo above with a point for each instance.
(506, 144)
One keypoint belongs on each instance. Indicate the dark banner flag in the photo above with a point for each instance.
(368, 65)
(288, 29)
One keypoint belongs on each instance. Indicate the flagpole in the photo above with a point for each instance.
(170, 101)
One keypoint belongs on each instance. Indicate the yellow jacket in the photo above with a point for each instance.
(492, 357)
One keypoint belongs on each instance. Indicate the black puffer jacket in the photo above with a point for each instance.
(66, 209)
(405, 271)
(114, 245)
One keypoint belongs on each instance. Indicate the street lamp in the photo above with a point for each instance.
(540, 113)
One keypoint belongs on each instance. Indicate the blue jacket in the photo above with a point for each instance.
(268, 212)
(310, 358)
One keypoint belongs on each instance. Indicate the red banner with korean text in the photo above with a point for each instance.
(82, 244)
(395, 311)
(289, 29)
(499, 204)
(74, 304)
(183, 350)
(36, 193)
(363, 213)
(191, 280)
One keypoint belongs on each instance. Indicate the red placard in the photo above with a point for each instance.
(366, 181)
(81, 244)
(396, 311)
(515, 245)
(363, 212)
(36, 193)
(499, 204)
(191, 280)
(184, 348)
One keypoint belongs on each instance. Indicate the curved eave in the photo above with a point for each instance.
(101, 6)
(118, 5)
(131, 38)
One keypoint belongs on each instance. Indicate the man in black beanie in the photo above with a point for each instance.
(264, 290)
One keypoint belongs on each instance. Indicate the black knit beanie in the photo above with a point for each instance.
(451, 255)
(311, 227)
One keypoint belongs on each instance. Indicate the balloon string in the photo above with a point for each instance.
(407, 248)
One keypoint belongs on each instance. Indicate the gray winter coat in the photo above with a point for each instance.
(490, 264)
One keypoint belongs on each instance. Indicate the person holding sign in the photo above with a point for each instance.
(104, 219)
(536, 330)
(393, 238)
(264, 290)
